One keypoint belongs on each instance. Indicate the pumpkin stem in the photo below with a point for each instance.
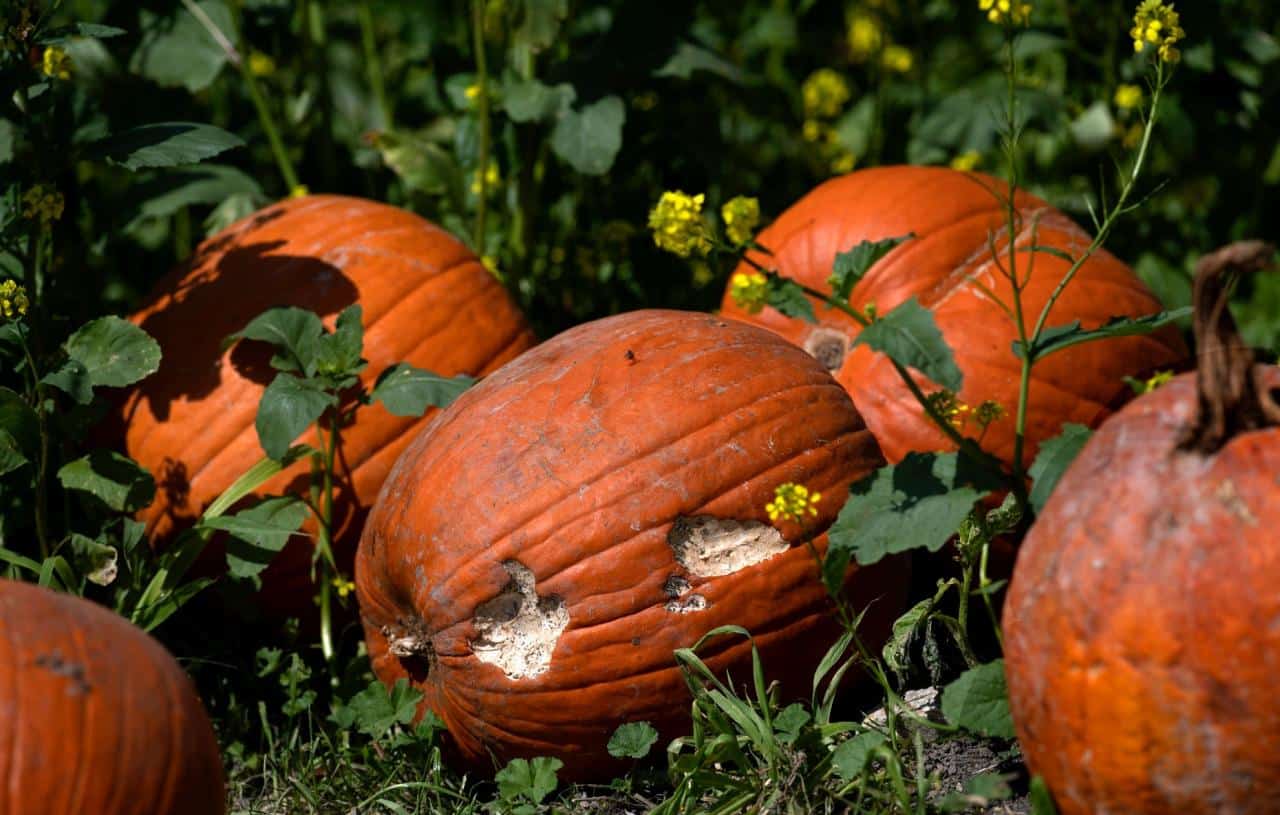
(1232, 398)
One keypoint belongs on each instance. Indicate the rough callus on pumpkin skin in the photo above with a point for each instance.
(598, 503)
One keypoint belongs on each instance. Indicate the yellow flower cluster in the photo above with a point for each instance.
(948, 405)
(1157, 25)
(261, 64)
(491, 178)
(1128, 97)
(988, 412)
(300, 191)
(792, 502)
(56, 63)
(897, 58)
(966, 161)
(741, 217)
(749, 291)
(825, 93)
(1011, 12)
(344, 586)
(865, 37)
(677, 224)
(13, 300)
(42, 203)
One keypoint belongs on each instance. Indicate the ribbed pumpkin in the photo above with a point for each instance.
(95, 716)
(427, 300)
(952, 214)
(540, 550)
(1143, 622)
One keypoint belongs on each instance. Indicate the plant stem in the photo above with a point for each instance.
(983, 583)
(373, 63)
(42, 466)
(265, 118)
(482, 110)
(328, 566)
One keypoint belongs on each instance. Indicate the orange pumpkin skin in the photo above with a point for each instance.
(951, 214)
(95, 716)
(576, 461)
(427, 300)
(1142, 643)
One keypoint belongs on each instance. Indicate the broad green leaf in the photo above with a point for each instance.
(532, 101)
(120, 482)
(850, 266)
(979, 702)
(164, 144)
(94, 559)
(259, 533)
(588, 140)
(73, 379)
(1051, 462)
(533, 780)
(21, 431)
(1056, 338)
(789, 298)
(917, 503)
(289, 406)
(338, 354)
(979, 791)
(790, 721)
(61, 34)
(910, 337)
(181, 50)
(174, 189)
(1041, 798)
(539, 23)
(855, 129)
(632, 740)
(114, 352)
(851, 757)
(295, 332)
(689, 58)
(420, 163)
(234, 208)
(377, 709)
(11, 455)
(408, 391)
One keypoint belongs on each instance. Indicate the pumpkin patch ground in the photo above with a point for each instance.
(534, 407)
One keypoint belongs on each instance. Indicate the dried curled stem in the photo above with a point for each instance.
(1232, 397)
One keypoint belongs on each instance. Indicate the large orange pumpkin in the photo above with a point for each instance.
(541, 549)
(952, 215)
(95, 716)
(427, 300)
(1143, 621)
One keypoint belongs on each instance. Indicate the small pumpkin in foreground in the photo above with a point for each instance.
(95, 716)
(427, 300)
(952, 215)
(540, 550)
(1142, 627)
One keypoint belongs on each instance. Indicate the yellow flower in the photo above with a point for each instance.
(13, 300)
(741, 217)
(1157, 25)
(947, 404)
(300, 191)
(792, 502)
(261, 64)
(343, 585)
(749, 290)
(897, 59)
(56, 63)
(1160, 378)
(491, 178)
(677, 225)
(1011, 12)
(844, 162)
(988, 412)
(472, 91)
(814, 130)
(865, 37)
(966, 161)
(824, 93)
(1128, 97)
(42, 203)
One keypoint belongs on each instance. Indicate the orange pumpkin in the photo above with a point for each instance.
(541, 549)
(1143, 623)
(95, 716)
(427, 300)
(952, 214)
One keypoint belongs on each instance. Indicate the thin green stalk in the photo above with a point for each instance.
(265, 118)
(42, 465)
(324, 544)
(983, 585)
(373, 63)
(482, 110)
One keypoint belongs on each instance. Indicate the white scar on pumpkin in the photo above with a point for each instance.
(518, 630)
(714, 547)
(681, 602)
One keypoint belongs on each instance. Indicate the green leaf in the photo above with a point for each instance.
(534, 780)
(180, 50)
(289, 406)
(540, 22)
(408, 391)
(114, 352)
(1041, 798)
(910, 337)
(1051, 462)
(259, 532)
(532, 101)
(789, 298)
(632, 740)
(167, 193)
(254, 477)
(588, 140)
(917, 503)
(73, 379)
(851, 757)
(377, 709)
(850, 266)
(1093, 128)
(11, 455)
(790, 721)
(94, 559)
(689, 58)
(979, 702)
(119, 481)
(420, 163)
(338, 354)
(234, 208)
(21, 431)
(61, 34)
(1056, 338)
(295, 332)
(164, 144)
(979, 791)
(897, 650)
